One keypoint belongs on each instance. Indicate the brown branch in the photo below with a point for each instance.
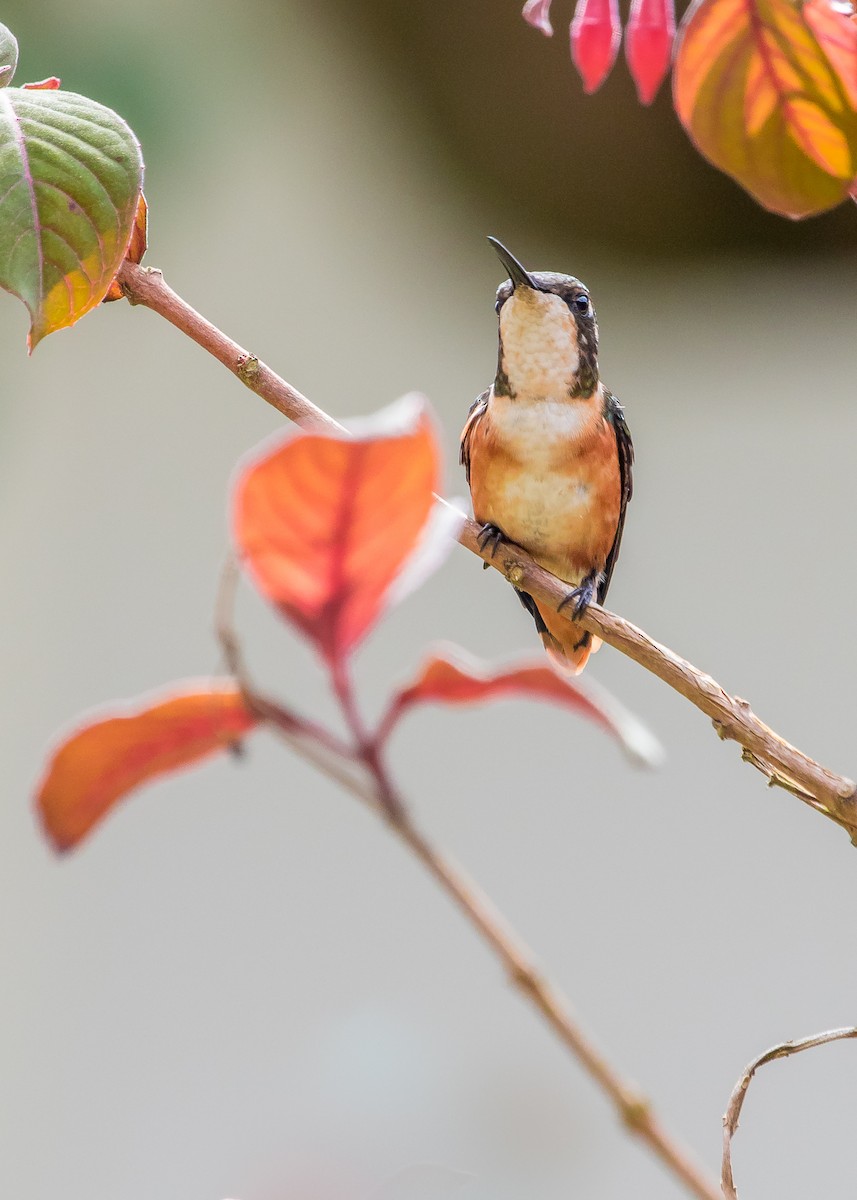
(633, 1108)
(146, 286)
(733, 719)
(375, 787)
(736, 1100)
(785, 766)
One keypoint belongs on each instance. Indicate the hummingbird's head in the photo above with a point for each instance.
(548, 334)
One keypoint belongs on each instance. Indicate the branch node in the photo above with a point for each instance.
(247, 369)
(636, 1112)
(153, 274)
(525, 977)
(515, 574)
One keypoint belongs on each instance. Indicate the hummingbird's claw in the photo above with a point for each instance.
(582, 596)
(489, 535)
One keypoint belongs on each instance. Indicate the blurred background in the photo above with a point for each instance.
(240, 985)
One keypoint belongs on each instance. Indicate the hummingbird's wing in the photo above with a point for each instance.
(474, 416)
(615, 414)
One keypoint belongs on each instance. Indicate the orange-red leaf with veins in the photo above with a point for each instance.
(136, 247)
(111, 754)
(325, 524)
(450, 676)
(762, 100)
(51, 84)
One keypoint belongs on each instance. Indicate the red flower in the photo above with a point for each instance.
(595, 36)
(648, 44)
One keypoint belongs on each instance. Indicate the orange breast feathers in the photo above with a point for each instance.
(546, 473)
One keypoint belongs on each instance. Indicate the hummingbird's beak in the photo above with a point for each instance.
(517, 274)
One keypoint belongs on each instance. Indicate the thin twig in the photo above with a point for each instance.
(782, 764)
(146, 286)
(835, 796)
(634, 1109)
(736, 1100)
(375, 787)
(294, 726)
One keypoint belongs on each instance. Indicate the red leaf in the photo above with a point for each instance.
(51, 84)
(595, 36)
(649, 38)
(325, 524)
(835, 28)
(765, 89)
(104, 759)
(538, 14)
(451, 676)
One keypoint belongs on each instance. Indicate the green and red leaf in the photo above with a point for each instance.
(450, 676)
(326, 524)
(762, 100)
(111, 754)
(71, 174)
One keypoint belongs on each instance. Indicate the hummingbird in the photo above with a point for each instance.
(547, 452)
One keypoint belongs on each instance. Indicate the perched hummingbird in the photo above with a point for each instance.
(547, 453)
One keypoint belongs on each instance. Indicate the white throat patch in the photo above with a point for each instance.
(539, 339)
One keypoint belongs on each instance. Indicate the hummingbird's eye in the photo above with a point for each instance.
(581, 305)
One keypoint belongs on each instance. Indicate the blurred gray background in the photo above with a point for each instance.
(240, 985)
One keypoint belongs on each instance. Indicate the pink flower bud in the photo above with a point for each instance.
(648, 44)
(538, 14)
(595, 36)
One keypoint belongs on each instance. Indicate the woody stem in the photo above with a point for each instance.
(632, 1107)
(377, 789)
(834, 796)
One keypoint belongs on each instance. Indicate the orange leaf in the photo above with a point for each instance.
(325, 524)
(762, 100)
(137, 246)
(104, 759)
(450, 676)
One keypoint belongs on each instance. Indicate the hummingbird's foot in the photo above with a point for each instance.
(490, 535)
(582, 596)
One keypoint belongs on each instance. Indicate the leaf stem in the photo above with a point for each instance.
(367, 747)
(286, 720)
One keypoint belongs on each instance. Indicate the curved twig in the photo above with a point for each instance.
(736, 1100)
(784, 765)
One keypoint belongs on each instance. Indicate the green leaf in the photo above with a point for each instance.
(71, 173)
(8, 56)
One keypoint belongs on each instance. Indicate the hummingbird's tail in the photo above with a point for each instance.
(572, 655)
(567, 644)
